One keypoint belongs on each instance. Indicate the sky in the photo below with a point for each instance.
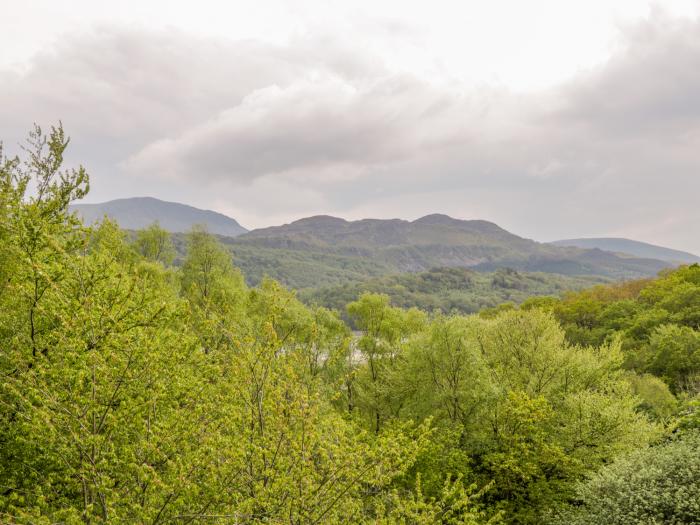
(552, 118)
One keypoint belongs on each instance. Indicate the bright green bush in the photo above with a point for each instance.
(657, 485)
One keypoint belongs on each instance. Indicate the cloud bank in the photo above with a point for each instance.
(268, 133)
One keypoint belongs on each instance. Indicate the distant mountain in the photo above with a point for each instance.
(329, 251)
(634, 248)
(326, 251)
(139, 212)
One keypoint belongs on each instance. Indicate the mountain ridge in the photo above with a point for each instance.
(324, 250)
(433, 241)
(138, 212)
(622, 245)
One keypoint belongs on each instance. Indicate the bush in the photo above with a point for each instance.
(658, 485)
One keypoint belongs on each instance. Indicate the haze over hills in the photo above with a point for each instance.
(634, 248)
(138, 212)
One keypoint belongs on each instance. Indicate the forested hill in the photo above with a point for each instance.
(343, 251)
(450, 289)
(139, 212)
(329, 251)
(634, 248)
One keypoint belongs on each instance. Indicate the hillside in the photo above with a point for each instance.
(139, 212)
(323, 250)
(450, 289)
(633, 248)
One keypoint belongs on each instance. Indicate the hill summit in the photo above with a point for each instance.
(338, 250)
(138, 212)
(633, 248)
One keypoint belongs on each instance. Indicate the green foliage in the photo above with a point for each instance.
(155, 244)
(209, 279)
(383, 329)
(690, 415)
(509, 399)
(455, 504)
(674, 355)
(655, 398)
(656, 320)
(448, 289)
(302, 269)
(660, 484)
(559, 411)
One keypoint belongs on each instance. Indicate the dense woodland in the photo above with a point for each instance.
(459, 290)
(136, 391)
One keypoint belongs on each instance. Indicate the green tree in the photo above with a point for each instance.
(659, 484)
(155, 244)
(213, 287)
(531, 412)
(655, 398)
(674, 355)
(383, 331)
(126, 399)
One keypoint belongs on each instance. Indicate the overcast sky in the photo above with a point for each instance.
(554, 119)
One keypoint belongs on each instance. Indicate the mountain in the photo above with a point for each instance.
(326, 251)
(139, 212)
(633, 248)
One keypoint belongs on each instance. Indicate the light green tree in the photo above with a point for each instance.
(155, 244)
(384, 329)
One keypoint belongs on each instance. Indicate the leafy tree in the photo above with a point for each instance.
(88, 413)
(447, 373)
(209, 279)
(659, 484)
(655, 320)
(155, 244)
(384, 329)
(562, 402)
(455, 504)
(214, 288)
(674, 354)
(655, 398)
(529, 411)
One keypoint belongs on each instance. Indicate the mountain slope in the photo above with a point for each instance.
(139, 212)
(432, 241)
(325, 251)
(634, 248)
(395, 246)
(450, 289)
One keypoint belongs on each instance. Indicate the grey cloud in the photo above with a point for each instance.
(137, 86)
(312, 124)
(117, 90)
(651, 84)
(613, 151)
